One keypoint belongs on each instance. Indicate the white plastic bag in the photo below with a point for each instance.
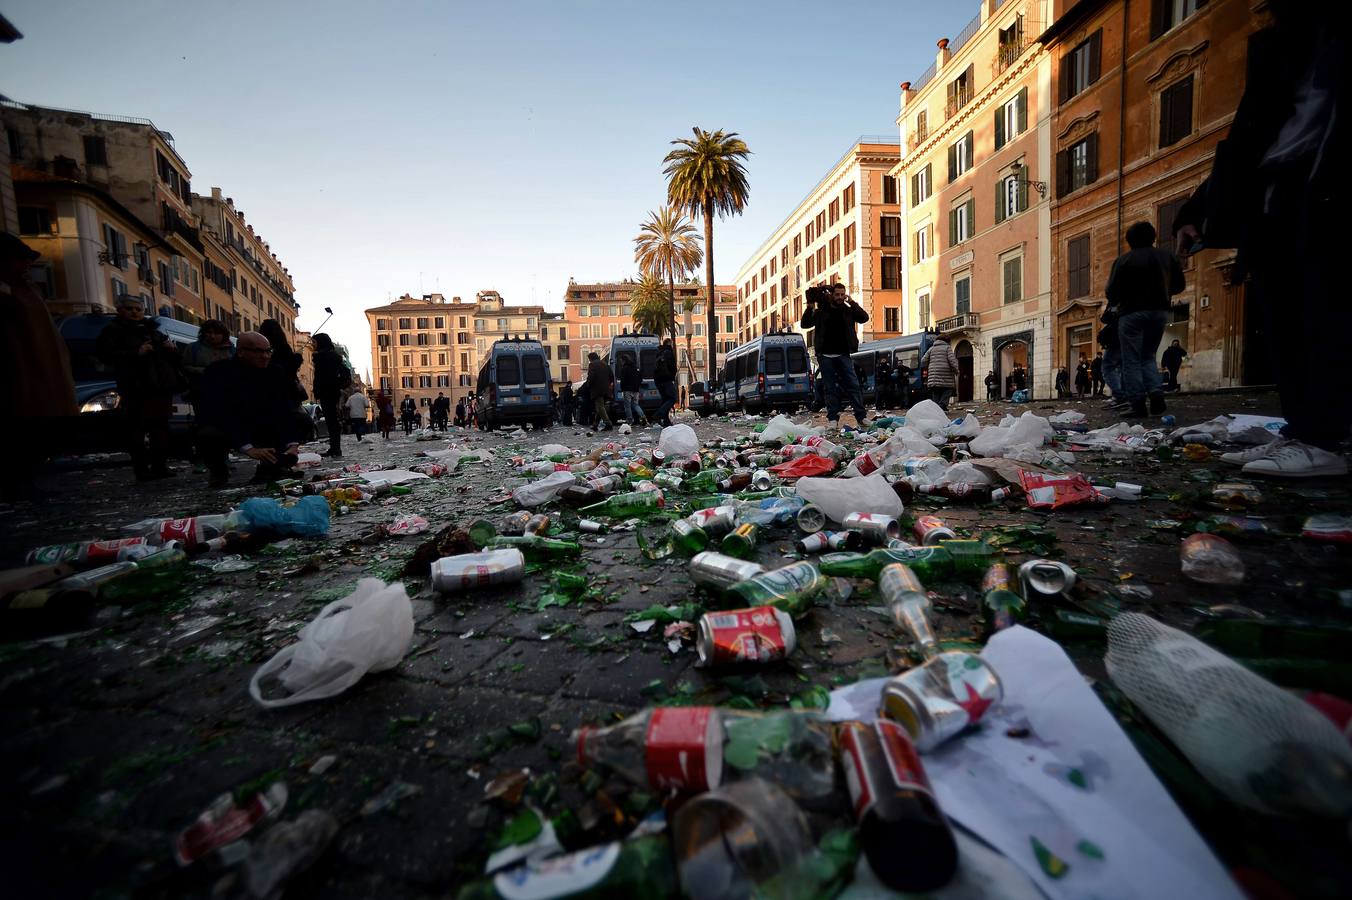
(990, 442)
(548, 450)
(838, 497)
(543, 490)
(678, 441)
(963, 473)
(1068, 417)
(367, 631)
(782, 428)
(1031, 429)
(928, 418)
(969, 427)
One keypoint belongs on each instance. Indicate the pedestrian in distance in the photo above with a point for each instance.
(1172, 359)
(601, 387)
(148, 374)
(941, 367)
(833, 316)
(685, 398)
(1082, 379)
(357, 408)
(584, 408)
(1112, 360)
(992, 385)
(332, 377)
(1140, 284)
(212, 346)
(1019, 378)
(441, 411)
(385, 414)
(664, 377)
(1096, 374)
(882, 381)
(631, 390)
(1062, 383)
(566, 404)
(408, 409)
(901, 384)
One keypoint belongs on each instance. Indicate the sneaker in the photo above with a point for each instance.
(1297, 460)
(1262, 451)
(1157, 404)
(1135, 410)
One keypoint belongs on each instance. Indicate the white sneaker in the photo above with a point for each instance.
(1297, 460)
(1261, 451)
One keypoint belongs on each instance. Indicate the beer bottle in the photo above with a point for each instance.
(929, 563)
(909, 604)
(688, 537)
(791, 588)
(536, 547)
(1001, 607)
(741, 541)
(971, 557)
(735, 482)
(482, 532)
(576, 495)
(632, 503)
(1067, 625)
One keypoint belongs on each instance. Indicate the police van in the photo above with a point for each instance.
(514, 386)
(642, 348)
(768, 373)
(906, 350)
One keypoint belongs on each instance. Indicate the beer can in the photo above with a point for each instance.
(474, 570)
(813, 543)
(659, 456)
(759, 635)
(536, 524)
(938, 699)
(720, 571)
(591, 526)
(1045, 579)
(822, 541)
(668, 481)
(716, 520)
(875, 527)
(762, 480)
(810, 519)
(930, 530)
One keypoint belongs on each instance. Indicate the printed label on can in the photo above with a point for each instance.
(108, 551)
(558, 876)
(972, 684)
(927, 525)
(52, 554)
(866, 464)
(903, 760)
(859, 779)
(476, 575)
(676, 745)
(216, 827)
(878, 759)
(996, 579)
(746, 636)
(179, 530)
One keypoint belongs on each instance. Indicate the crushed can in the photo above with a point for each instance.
(737, 636)
(1045, 579)
(720, 571)
(762, 480)
(810, 519)
(821, 541)
(938, 699)
(875, 527)
(591, 526)
(930, 530)
(467, 571)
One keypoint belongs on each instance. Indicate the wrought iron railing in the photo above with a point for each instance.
(960, 322)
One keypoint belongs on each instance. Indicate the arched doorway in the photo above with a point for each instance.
(1012, 354)
(964, 353)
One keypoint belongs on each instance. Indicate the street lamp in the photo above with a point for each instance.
(1016, 168)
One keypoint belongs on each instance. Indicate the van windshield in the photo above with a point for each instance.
(533, 369)
(797, 361)
(509, 371)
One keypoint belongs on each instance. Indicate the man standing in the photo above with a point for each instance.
(901, 384)
(407, 410)
(566, 404)
(247, 406)
(332, 376)
(357, 407)
(600, 386)
(631, 389)
(664, 376)
(441, 411)
(882, 381)
(1173, 358)
(941, 371)
(832, 316)
(147, 369)
(1140, 284)
(992, 386)
(1096, 374)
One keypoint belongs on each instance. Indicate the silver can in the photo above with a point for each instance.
(591, 526)
(821, 541)
(1045, 579)
(876, 528)
(720, 571)
(938, 699)
(811, 519)
(716, 520)
(762, 480)
(467, 571)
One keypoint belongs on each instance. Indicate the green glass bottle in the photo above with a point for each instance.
(482, 532)
(791, 588)
(1067, 625)
(1001, 607)
(741, 541)
(971, 557)
(640, 867)
(929, 563)
(705, 480)
(1277, 638)
(630, 504)
(689, 538)
(570, 583)
(533, 546)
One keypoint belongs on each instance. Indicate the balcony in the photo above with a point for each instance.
(957, 99)
(968, 321)
(1010, 51)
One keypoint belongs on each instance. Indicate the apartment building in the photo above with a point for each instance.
(1144, 92)
(241, 264)
(494, 319)
(554, 336)
(422, 346)
(848, 230)
(976, 128)
(595, 312)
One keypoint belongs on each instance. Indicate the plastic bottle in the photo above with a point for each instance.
(192, 530)
(543, 490)
(964, 491)
(630, 504)
(1001, 607)
(90, 553)
(822, 447)
(1209, 559)
(929, 563)
(792, 588)
(909, 604)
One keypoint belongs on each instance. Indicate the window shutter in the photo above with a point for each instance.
(1067, 65)
(1062, 173)
(971, 217)
(929, 238)
(1095, 55)
(1023, 195)
(999, 201)
(1159, 17)
(970, 141)
(952, 161)
(999, 127)
(1166, 117)
(1022, 112)
(108, 238)
(915, 247)
(915, 188)
(1182, 109)
(1093, 169)
(952, 227)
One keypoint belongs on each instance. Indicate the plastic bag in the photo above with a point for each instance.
(367, 631)
(1055, 491)
(967, 427)
(782, 428)
(838, 497)
(678, 441)
(990, 442)
(548, 450)
(804, 466)
(928, 418)
(1337, 529)
(543, 490)
(308, 460)
(406, 524)
(964, 473)
(1068, 417)
(308, 518)
(1031, 429)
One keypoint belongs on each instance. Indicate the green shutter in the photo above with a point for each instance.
(952, 162)
(952, 227)
(1023, 195)
(971, 217)
(999, 201)
(999, 127)
(1022, 102)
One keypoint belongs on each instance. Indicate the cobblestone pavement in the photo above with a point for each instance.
(116, 738)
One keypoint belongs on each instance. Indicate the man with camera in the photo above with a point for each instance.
(832, 316)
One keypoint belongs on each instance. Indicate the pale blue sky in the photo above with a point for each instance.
(384, 148)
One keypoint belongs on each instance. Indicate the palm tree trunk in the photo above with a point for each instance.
(671, 302)
(709, 285)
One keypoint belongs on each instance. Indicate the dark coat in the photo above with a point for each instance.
(1096, 368)
(599, 378)
(1144, 278)
(331, 375)
(1173, 357)
(249, 404)
(155, 374)
(630, 379)
(665, 370)
(833, 330)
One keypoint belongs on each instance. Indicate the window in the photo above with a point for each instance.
(382, 340)
(1175, 112)
(1165, 14)
(465, 381)
(405, 323)
(115, 243)
(833, 212)
(1079, 341)
(797, 245)
(464, 360)
(959, 92)
(1011, 277)
(422, 360)
(1011, 119)
(502, 324)
(614, 331)
(408, 360)
(462, 337)
(961, 222)
(443, 338)
(835, 256)
(922, 302)
(1011, 197)
(422, 322)
(443, 381)
(821, 259)
(614, 311)
(582, 312)
(1077, 267)
(35, 220)
(1011, 44)
(921, 125)
(1077, 165)
(404, 340)
(847, 203)
(921, 186)
(440, 322)
(406, 381)
(962, 294)
(821, 222)
(850, 240)
(596, 311)
(891, 318)
(891, 273)
(960, 156)
(424, 381)
(14, 145)
(807, 239)
(1081, 67)
(563, 351)
(890, 229)
(727, 324)
(441, 359)
(922, 244)
(119, 288)
(424, 340)
(95, 150)
(382, 324)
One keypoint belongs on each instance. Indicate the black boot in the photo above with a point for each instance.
(1157, 404)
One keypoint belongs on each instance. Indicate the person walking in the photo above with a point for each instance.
(1096, 374)
(385, 414)
(408, 408)
(664, 377)
(631, 390)
(148, 373)
(941, 367)
(1172, 359)
(246, 408)
(901, 384)
(685, 398)
(1082, 379)
(441, 411)
(1062, 383)
(357, 408)
(566, 404)
(992, 385)
(882, 385)
(332, 377)
(832, 316)
(1140, 284)
(1112, 360)
(601, 387)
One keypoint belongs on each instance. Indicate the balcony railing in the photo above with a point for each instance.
(957, 100)
(968, 321)
(1011, 51)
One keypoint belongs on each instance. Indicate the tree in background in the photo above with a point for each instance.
(667, 247)
(706, 175)
(648, 306)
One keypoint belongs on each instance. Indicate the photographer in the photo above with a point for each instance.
(148, 372)
(832, 316)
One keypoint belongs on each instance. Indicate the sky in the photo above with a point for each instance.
(404, 147)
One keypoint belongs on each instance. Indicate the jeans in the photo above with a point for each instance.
(667, 389)
(329, 406)
(1140, 334)
(838, 374)
(359, 427)
(942, 395)
(1112, 370)
(602, 414)
(633, 410)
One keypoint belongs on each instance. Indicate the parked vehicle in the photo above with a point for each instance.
(701, 398)
(642, 348)
(514, 385)
(908, 350)
(767, 373)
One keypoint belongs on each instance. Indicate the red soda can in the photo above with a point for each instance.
(930, 530)
(759, 635)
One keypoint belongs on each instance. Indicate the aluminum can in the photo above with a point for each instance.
(821, 541)
(876, 528)
(668, 481)
(759, 635)
(810, 519)
(606, 484)
(1045, 579)
(940, 698)
(930, 530)
(467, 571)
(659, 456)
(720, 571)
(762, 480)
(716, 520)
(591, 526)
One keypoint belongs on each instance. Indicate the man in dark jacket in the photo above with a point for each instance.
(664, 376)
(566, 404)
(408, 410)
(832, 316)
(1096, 374)
(601, 387)
(631, 389)
(1172, 359)
(148, 372)
(247, 407)
(1140, 284)
(882, 384)
(331, 376)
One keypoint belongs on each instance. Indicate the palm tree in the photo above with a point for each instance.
(667, 246)
(705, 175)
(648, 305)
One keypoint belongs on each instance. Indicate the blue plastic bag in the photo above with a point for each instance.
(1020, 396)
(308, 518)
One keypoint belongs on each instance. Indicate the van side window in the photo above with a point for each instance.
(509, 371)
(533, 368)
(797, 360)
(774, 361)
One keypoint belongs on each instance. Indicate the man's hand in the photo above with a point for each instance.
(1185, 238)
(262, 454)
(144, 349)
